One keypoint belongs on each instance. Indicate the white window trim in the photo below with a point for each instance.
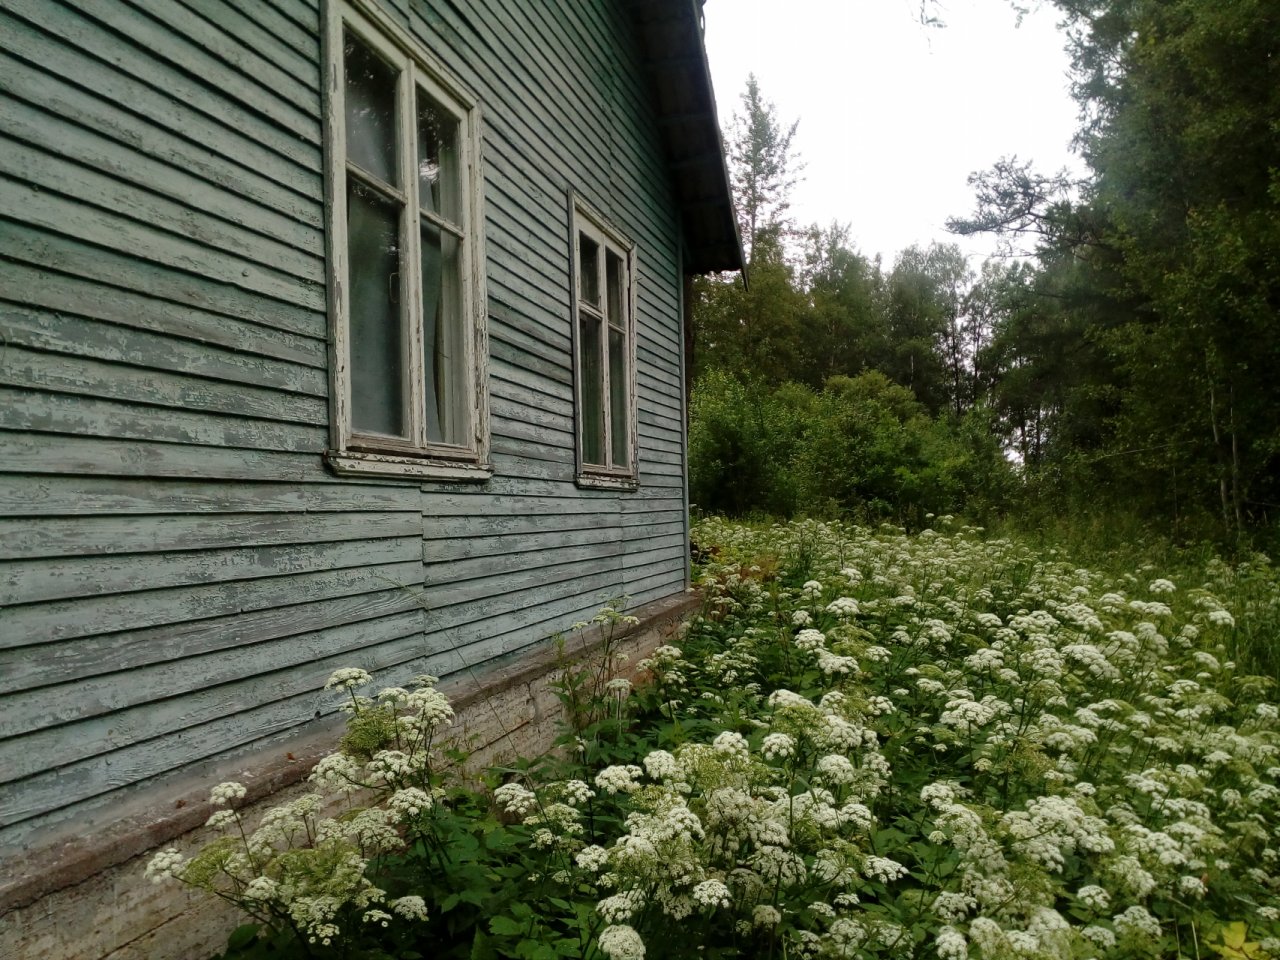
(352, 453)
(585, 219)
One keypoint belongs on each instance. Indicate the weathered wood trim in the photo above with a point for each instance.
(353, 463)
(585, 219)
(420, 69)
(60, 863)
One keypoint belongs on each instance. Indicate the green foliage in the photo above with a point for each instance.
(742, 442)
(863, 446)
(868, 745)
(1158, 284)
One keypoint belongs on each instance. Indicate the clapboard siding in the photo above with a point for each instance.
(147, 136)
(69, 45)
(217, 312)
(91, 637)
(179, 571)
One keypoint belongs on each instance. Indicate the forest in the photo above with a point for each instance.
(1118, 363)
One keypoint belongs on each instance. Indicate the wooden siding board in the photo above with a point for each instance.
(241, 42)
(68, 45)
(118, 33)
(63, 333)
(233, 715)
(153, 386)
(30, 538)
(22, 410)
(118, 710)
(576, 531)
(34, 495)
(109, 229)
(36, 582)
(186, 621)
(265, 19)
(277, 207)
(96, 154)
(195, 306)
(25, 452)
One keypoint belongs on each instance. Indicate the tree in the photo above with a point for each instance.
(1167, 261)
(763, 170)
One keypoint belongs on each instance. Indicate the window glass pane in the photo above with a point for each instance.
(376, 338)
(437, 160)
(613, 281)
(621, 440)
(588, 270)
(592, 392)
(371, 110)
(444, 347)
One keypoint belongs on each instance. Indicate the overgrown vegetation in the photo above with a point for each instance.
(1126, 366)
(868, 745)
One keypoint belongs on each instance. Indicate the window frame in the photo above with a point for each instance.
(414, 456)
(584, 219)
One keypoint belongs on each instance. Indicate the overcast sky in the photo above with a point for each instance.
(894, 115)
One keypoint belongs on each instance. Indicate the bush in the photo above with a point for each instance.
(863, 448)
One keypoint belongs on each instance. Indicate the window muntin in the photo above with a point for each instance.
(407, 259)
(604, 360)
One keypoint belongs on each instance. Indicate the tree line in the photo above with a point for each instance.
(1127, 360)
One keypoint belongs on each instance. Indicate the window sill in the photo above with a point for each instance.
(352, 463)
(606, 481)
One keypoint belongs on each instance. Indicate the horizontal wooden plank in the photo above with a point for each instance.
(512, 502)
(22, 452)
(114, 32)
(64, 215)
(150, 386)
(518, 525)
(70, 335)
(34, 537)
(481, 565)
(36, 495)
(485, 587)
(67, 46)
(203, 45)
(109, 162)
(50, 173)
(441, 555)
(43, 580)
(121, 709)
(528, 452)
(24, 410)
(272, 27)
(89, 637)
(235, 715)
(121, 281)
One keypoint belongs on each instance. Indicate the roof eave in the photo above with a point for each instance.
(676, 58)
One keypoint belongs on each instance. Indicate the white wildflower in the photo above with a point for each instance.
(712, 894)
(348, 678)
(620, 942)
(226, 792)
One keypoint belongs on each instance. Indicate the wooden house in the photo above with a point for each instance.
(332, 333)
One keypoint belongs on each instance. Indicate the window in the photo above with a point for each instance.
(604, 352)
(406, 257)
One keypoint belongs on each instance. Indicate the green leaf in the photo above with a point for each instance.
(242, 936)
(482, 947)
(505, 926)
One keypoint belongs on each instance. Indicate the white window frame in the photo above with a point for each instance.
(584, 220)
(415, 456)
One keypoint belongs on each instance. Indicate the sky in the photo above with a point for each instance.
(894, 115)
